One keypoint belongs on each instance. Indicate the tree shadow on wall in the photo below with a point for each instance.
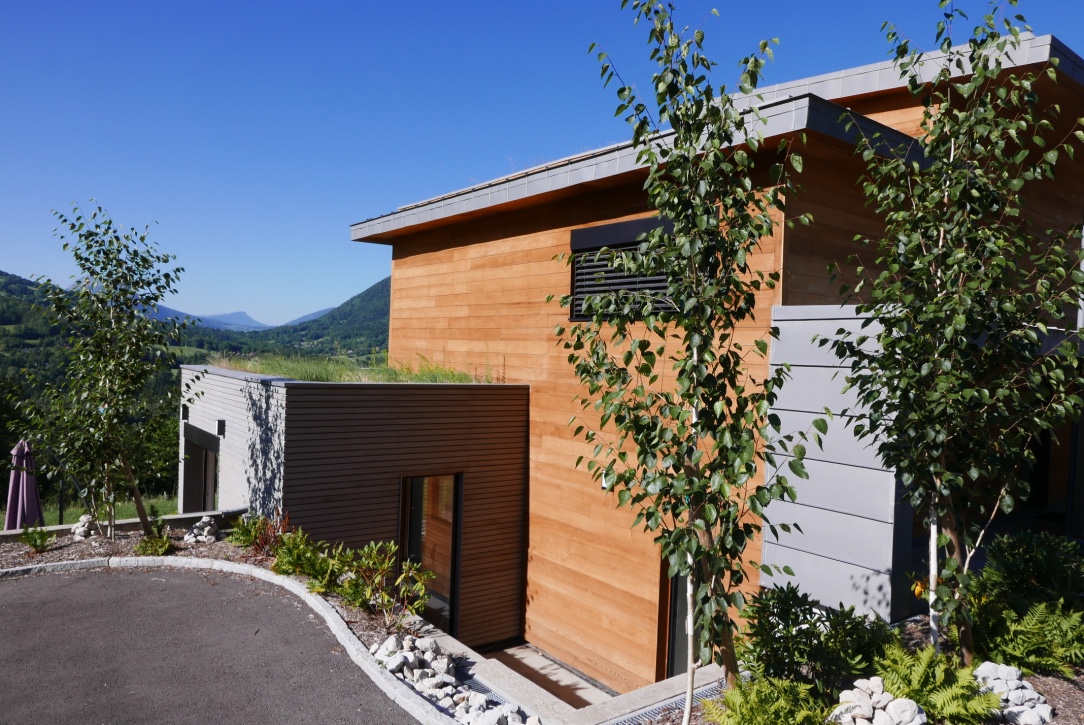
(266, 436)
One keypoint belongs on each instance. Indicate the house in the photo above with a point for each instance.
(471, 273)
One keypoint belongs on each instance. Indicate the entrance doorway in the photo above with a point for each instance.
(200, 484)
(431, 532)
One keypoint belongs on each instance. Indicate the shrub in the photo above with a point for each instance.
(1046, 639)
(1027, 568)
(945, 692)
(154, 546)
(1026, 603)
(259, 533)
(371, 583)
(296, 554)
(38, 539)
(328, 569)
(158, 543)
(790, 637)
(768, 701)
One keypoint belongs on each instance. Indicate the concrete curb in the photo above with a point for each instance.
(55, 566)
(414, 704)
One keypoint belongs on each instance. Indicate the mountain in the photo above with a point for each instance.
(355, 327)
(236, 321)
(310, 316)
(233, 321)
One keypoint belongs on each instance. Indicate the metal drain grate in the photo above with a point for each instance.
(706, 692)
(463, 674)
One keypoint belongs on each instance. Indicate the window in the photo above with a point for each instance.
(591, 276)
(431, 533)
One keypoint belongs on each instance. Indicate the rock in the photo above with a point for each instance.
(863, 704)
(392, 644)
(864, 686)
(395, 664)
(1005, 672)
(427, 644)
(902, 711)
(492, 717)
(1044, 711)
(477, 699)
(533, 720)
(880, 717)
(986, 671)
(881, 699)
(441, 665)
(876, 685)
(447, 703)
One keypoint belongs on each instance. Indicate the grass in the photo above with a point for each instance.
(345, 370)
(125, 510)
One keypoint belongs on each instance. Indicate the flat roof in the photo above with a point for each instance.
(787, 107)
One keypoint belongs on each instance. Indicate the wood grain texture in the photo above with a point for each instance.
(473, 296)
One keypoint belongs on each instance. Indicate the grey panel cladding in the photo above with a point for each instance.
(849, 507)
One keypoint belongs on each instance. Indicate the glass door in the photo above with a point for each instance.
(431, 533)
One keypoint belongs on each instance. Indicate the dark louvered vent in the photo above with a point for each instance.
(592, 273)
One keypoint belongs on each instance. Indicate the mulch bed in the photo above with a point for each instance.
(1066, 696)
(365, 626)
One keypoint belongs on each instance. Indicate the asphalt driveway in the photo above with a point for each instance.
(173, 646)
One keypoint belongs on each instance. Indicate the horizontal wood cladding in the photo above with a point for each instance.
(348, 447)
(474, 296)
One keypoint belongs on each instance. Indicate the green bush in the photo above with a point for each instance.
(1028, 568)
(38, 539)
(947, 693)
(371, 583)
(246, 530)
(296, 554)
(154, 546)
(768, 701)
(1026, 604)
(789, 637)
(158, 543)
(1046, 639)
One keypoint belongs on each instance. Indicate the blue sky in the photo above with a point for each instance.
(255, 133)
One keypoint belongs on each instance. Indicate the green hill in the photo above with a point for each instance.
(353, 328)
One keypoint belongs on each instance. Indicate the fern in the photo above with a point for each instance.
(769, 701)
(1046, 639)
(946, 693)
(295, 554)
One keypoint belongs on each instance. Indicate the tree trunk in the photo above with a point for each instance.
(957, 552)
(690, 633)
(931, 593)
(138, 498)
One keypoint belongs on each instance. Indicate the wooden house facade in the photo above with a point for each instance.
(471, 274)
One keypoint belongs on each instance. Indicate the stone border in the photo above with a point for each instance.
(510, 685)
(172, 520)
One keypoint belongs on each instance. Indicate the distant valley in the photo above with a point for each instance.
(355, 328)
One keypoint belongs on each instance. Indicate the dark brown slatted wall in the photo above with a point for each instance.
(348, 447)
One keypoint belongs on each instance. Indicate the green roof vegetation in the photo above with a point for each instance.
(346, 370)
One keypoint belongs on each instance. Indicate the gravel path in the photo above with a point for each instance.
(173, 646)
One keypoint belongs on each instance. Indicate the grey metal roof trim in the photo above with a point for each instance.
(776, 104)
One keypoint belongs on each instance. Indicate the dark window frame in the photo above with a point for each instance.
(590, 277)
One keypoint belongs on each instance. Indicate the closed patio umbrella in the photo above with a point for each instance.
(24, 505)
